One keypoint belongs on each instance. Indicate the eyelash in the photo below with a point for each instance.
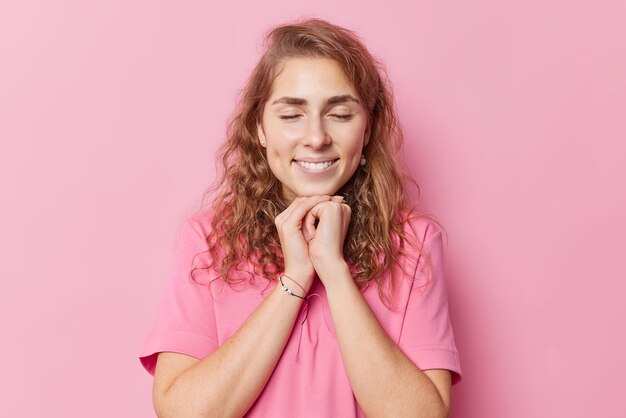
(344, 117)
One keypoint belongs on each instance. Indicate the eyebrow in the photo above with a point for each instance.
(331, 100)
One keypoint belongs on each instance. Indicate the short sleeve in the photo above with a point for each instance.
(185, 321)
(427, 337)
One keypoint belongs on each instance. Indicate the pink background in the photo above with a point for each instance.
(110, 114)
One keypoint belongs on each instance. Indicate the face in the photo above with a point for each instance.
(313, 128)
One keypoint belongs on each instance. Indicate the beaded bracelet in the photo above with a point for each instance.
(289, 291)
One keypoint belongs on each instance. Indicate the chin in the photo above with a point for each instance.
(316, 191)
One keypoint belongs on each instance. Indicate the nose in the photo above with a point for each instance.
(316, 136)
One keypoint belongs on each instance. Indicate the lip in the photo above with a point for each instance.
(307, 171)
(315, 159)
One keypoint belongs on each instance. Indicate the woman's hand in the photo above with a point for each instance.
(290, 225)
(327, 238)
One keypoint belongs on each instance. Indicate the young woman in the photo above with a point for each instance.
(308, 288)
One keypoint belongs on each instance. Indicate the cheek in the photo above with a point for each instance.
(354, 141)
(277, 148)
(282, 138)
(275, 128)
(278, 156)
(353, 134)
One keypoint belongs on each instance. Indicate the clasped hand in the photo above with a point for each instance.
(312, 231)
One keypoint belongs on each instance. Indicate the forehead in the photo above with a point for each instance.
(310, 77)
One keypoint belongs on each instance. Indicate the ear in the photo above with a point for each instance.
(260, 134)
(366, 137)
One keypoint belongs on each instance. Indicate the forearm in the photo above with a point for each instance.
(384, 380)
(228, 381)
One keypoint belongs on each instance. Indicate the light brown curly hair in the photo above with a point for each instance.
(247, 197)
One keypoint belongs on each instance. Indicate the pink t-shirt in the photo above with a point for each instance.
(309, 379)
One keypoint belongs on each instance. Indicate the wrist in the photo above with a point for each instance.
(297, 282)
(334, 273)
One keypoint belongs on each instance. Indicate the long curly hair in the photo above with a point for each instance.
(247, 196)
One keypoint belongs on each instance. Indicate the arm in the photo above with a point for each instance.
(229, 380)
(384, 380)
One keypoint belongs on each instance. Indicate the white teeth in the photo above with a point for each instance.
(315, 166)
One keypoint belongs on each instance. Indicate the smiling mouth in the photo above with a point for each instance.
(316, 166)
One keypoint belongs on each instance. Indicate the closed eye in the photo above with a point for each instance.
(345, 117)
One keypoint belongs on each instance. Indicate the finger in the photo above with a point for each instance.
(285, 214)
(316, 211)
(310, 219)
(338, 199)
(346, 209)
(309, 226)
(346, 214)
(289, 210)
(303, 206)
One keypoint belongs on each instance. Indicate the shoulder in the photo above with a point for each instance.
(194, 242)
(200, 222)
(424, 250)
(420, 227)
